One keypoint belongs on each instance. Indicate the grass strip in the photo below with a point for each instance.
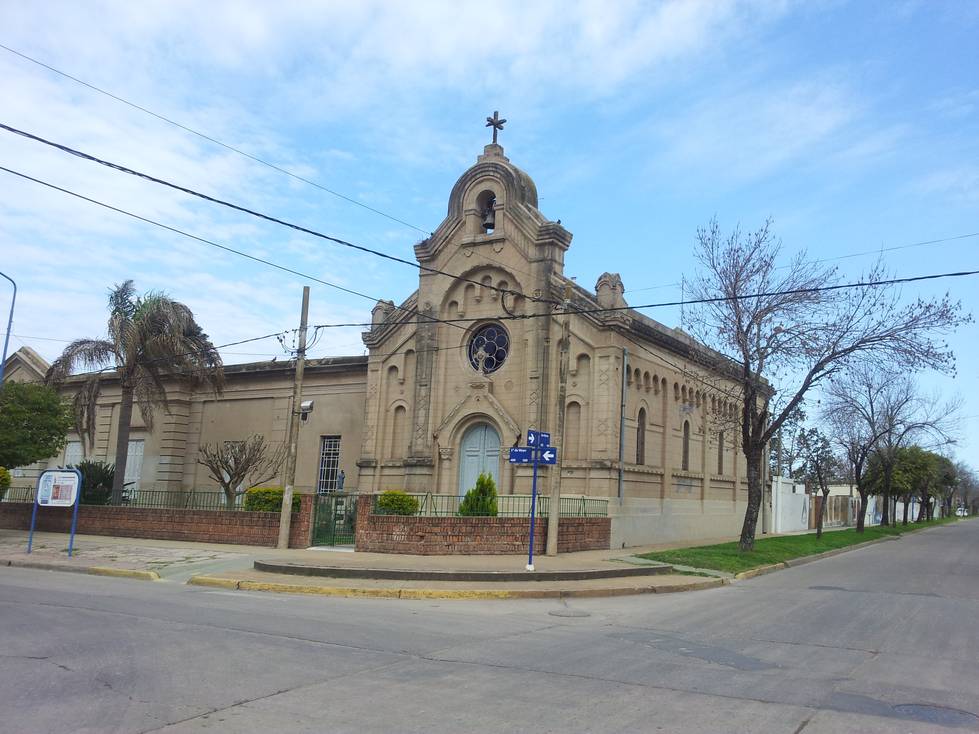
(776, 549)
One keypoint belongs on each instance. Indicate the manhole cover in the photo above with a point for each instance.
(936, 714)
(568, 613)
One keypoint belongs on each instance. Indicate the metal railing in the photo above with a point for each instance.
(161, 499)
(508, 505)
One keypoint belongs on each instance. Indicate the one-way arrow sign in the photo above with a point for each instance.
(538, 439)
(548, 456)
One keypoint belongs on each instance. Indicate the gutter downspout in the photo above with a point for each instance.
(625, 357)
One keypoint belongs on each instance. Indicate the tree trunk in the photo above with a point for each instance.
(861, 518)
(923, 510)
(885, 513)
(821, 514)
(122, 443)
(754, 470)
(907, 501)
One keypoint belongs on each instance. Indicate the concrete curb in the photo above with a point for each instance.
(460, 594)
(803, 560)
(403, 574)
(126, 573)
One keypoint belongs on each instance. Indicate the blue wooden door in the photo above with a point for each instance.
(478, 454)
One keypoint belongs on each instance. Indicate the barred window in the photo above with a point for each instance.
(329, 464)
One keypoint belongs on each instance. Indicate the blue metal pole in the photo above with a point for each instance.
(533, 510)
(10, 322)
(74, 516)
(30, 536)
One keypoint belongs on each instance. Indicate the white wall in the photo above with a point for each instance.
(790, 506)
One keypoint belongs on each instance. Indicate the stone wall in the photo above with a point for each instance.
(202, 526)
(471, 535)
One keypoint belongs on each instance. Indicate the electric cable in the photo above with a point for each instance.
(212, 139)
(266, 217)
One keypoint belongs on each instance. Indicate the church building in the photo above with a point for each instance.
(496, 340)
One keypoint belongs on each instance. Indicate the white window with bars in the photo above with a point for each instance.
(73, 453)
(329, 464)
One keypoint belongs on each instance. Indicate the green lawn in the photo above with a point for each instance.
(727, 557)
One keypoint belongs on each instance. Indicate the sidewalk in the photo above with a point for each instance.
(232, 566)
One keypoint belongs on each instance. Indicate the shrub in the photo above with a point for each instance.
(396, 502)
(480, 501)
(4, 481)
(267, 499)
(97, 479)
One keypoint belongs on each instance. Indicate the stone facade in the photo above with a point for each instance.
(476, 356)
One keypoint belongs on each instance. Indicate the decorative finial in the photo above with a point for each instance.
(496, 123)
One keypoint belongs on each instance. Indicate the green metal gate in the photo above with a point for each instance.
(335, 519)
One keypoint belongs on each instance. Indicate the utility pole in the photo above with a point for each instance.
(10, 325)
(292, 438)
(554, 505)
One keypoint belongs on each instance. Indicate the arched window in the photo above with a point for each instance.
(686, 446)
(398, 446)
(641, 438)
(720, 452)
(572, 430)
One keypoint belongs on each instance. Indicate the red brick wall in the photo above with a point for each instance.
(204, 526)
(471, 535)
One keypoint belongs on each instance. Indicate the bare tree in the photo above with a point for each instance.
(241, 465)
(819, 466)
(786, 331)
(967, 488)
(875, 411)
(786, 448)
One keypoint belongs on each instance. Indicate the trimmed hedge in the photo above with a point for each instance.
(267, 499)
(396, 502)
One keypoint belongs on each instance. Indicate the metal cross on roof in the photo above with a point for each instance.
(496, 123)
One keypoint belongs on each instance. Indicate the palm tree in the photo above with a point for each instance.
(150, 338)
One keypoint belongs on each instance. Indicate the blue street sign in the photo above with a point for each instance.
(548, 455)
(538, 439)
(521, 455)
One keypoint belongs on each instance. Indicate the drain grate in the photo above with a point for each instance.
(936, 714)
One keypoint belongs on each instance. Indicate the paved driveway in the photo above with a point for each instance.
(880, 640)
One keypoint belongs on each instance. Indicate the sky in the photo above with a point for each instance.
(853, 125)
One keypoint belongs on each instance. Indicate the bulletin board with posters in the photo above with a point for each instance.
(57, 488)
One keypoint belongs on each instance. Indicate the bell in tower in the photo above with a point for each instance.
(489, 215)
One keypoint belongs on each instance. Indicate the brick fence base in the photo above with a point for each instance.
(202, 526)
(429, 536)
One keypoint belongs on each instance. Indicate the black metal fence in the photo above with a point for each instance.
(162, 499)
(508, 505)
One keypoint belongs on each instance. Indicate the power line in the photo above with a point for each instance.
(214, 140)
(259, 215)
(663, 304)
(205, 241)
(839, 257)
(508, 317)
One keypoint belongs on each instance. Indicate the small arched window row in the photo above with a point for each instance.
(685, 463)
(641, 437)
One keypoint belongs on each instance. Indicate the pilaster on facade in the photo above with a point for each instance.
(174, 429)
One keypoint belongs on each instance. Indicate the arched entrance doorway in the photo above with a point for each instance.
(479, 454)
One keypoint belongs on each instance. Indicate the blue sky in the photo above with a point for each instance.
(854, 125)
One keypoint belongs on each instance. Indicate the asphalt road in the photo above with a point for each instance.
(884, 639)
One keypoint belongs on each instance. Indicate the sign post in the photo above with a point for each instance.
(538, 451)
(57, 488)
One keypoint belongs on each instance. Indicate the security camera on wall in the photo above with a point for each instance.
(305, 408)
